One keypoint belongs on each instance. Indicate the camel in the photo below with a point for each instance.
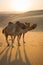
(16, 30)
(12, 30)
(25, 29)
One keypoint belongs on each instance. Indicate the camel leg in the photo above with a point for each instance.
(12, 37)
(7, 40)
(23, 38)
(18, 39)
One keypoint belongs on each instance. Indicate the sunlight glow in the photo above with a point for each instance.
(20, 5)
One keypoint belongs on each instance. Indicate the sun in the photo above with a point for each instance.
(20, 5)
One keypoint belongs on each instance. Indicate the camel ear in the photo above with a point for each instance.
(27, 23)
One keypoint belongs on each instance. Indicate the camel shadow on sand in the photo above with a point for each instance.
(16, 31)
(19, 61)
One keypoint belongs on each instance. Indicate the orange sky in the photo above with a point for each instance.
(20, 5)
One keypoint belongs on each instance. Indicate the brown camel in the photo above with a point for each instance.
(16, 30)
(25, 29)
(12, 30)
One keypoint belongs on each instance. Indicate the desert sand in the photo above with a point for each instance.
(33, 43)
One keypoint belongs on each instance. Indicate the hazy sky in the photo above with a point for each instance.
(20, 5)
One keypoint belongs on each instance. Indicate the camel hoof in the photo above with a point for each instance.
(7, 45)
(19, 45)
(24, 42)
(12, 46)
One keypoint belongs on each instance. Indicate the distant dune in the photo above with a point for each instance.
(31, 16)
(34, 12)
(34, 40)
(37, 12)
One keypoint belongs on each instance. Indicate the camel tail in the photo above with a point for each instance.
(2, 31)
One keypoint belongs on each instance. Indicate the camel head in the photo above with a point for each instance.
(32, 27)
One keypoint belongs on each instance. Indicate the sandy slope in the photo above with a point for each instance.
(33, 48)
(33, 39)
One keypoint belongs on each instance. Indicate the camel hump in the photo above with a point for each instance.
(18, 23)
(10, 23)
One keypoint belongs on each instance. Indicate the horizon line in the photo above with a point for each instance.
(15, 12)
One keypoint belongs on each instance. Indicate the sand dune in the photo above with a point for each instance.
(29, 54)
(38, 19)
(33, 48)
